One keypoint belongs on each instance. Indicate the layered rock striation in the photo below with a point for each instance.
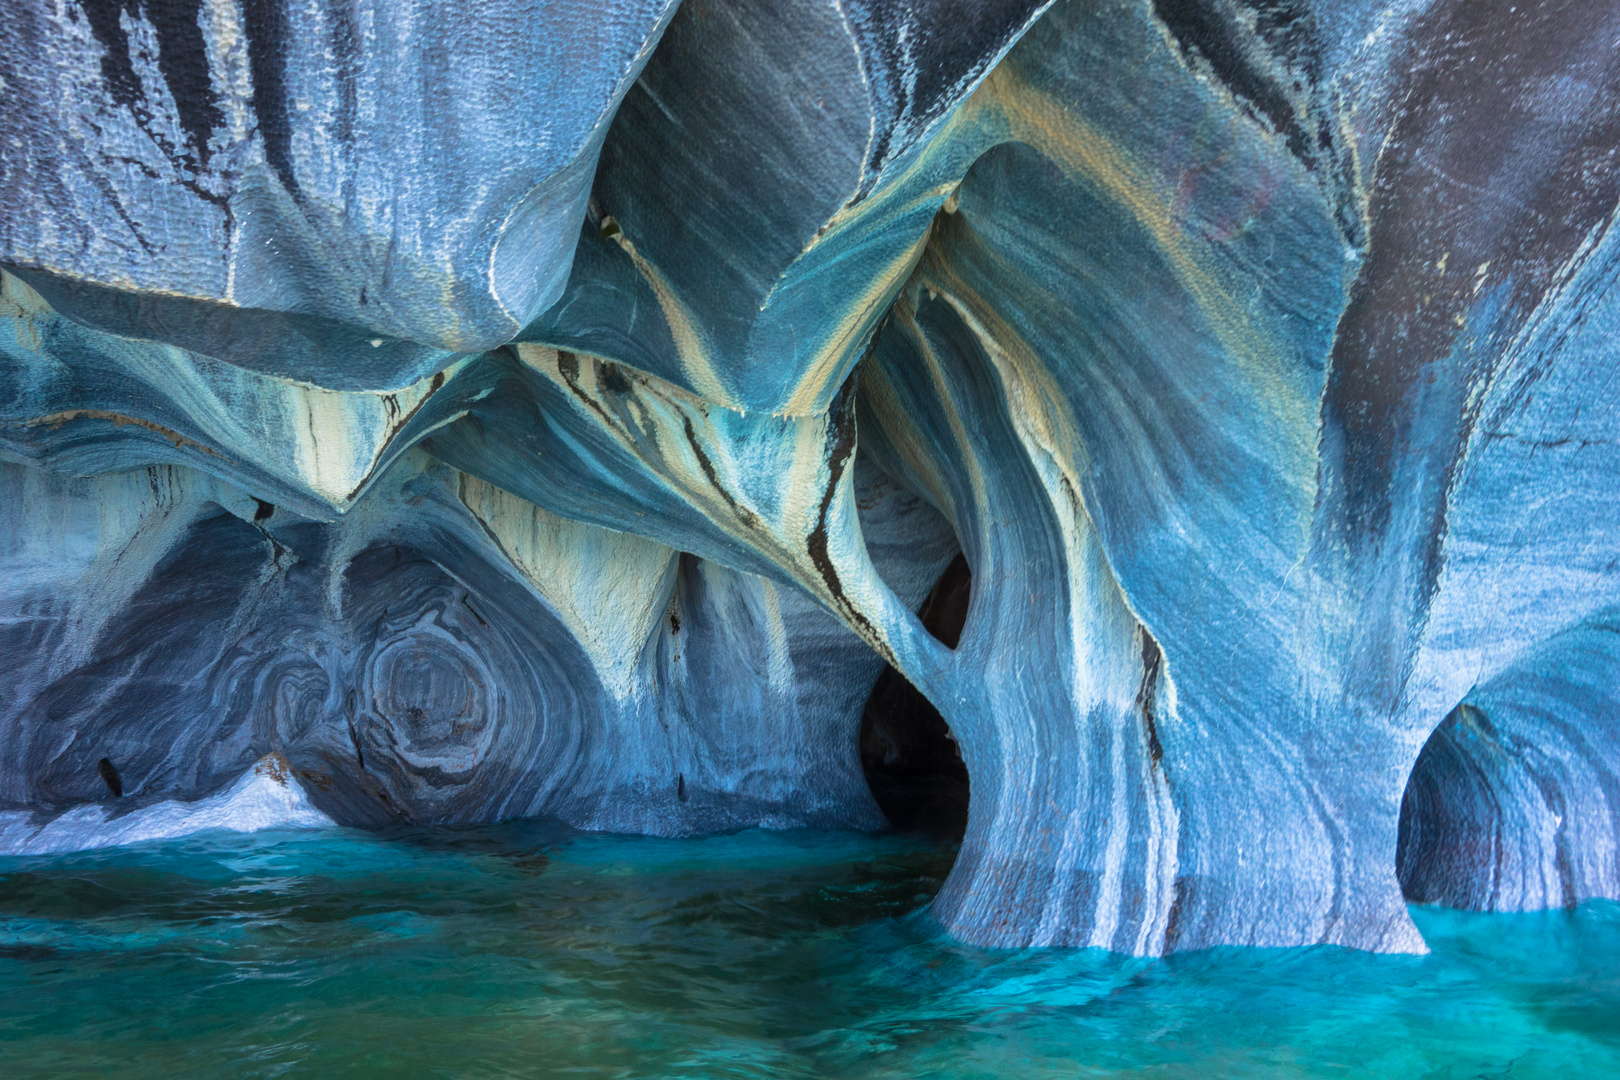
(565, 410)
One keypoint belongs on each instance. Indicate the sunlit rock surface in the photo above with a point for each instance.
(1259, 357)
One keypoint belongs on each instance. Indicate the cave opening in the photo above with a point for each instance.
(1458, 831)
(912, 763)
(1425, 834)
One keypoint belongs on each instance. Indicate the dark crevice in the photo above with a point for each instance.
(1147, 695)
(110, 777)
(912, 763)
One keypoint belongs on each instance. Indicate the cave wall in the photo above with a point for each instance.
(565, 411)
(445, 652)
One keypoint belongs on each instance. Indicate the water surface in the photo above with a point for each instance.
(530, 950)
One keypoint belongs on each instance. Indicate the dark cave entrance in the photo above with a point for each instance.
(912, 763)
(1481, 828)
(1443, 833)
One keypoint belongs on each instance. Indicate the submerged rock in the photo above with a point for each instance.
(1258, 358)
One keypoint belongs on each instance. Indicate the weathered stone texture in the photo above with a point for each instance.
(563, 409)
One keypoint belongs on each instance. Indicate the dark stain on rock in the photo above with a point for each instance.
(267, 34)
(322, 781)
(1268, 55)
(568, 368)
(842, 419)
(744, 515)
(1203, 29)
(346, 51)
(917, 58)
(182, 60)
(117, 72)
(56, 420)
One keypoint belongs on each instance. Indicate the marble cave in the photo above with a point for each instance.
(1179, 435)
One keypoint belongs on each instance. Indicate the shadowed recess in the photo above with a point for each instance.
(909, 756)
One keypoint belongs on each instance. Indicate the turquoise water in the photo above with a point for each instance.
(527, 950)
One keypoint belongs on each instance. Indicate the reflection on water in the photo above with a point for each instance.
(529, 950)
